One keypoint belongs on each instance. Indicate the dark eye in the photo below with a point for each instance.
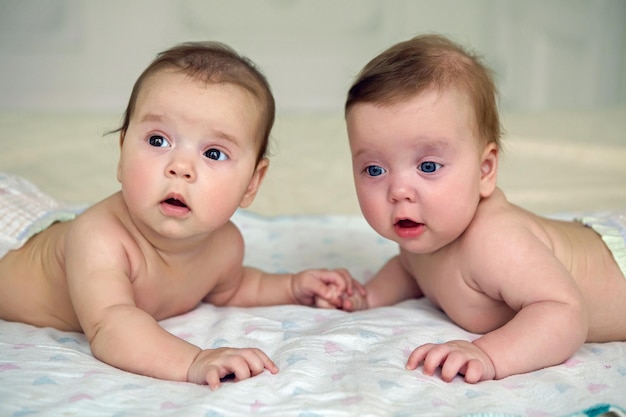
(429, 167)
(158, 141)
(375, 170)
(216, 155)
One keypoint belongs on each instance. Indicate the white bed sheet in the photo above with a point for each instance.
(332, 363)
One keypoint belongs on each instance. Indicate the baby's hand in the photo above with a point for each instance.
(454, 357)
(356, 301)
(324, 288)
(211, 365)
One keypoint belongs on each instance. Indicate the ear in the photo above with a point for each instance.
(119, 162)
(119, 170)
(488, 169)
(122, 136)
(255, 182)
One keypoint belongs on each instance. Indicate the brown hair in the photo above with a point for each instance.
(211, 62)
(429, 61)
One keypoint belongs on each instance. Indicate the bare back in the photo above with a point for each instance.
(33, 288)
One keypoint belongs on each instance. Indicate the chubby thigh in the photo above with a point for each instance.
(33, 288)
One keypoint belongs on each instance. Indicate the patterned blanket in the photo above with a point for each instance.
(332, 363)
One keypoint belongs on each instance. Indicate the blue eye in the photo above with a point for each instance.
(216, 155)
(158, 141)
(375, 170)
(429, 167)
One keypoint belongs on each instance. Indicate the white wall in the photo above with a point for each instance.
(73, 55)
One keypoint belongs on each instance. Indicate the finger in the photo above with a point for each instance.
(474, 371)
(213, 378)
(348, 304)
(338, 277)
(418, 355)
(349, 281)
(452, 365)
(354, 303)
(327, 298)
(341, 277)
(360, 287)
(256, 366)
(353, 286)
(241, 368)
(331, 293)
(267, 362)
(435, 357)
(321, 303)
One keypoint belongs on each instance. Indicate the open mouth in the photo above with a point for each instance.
(409, 229)
(175, 202)
(406, 224)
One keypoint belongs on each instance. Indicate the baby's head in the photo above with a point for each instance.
(427, 62)
(211, 62)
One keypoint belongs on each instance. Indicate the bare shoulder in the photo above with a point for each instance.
(227, 244)
(100, 235)
(498, 220)
(100, 221)
(227, 250)
(500, 239)
(226, 255)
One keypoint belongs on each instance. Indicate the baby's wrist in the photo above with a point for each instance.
(292, 288)
(190, 370)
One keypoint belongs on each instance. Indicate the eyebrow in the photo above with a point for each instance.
(159, 118)
(435, 144)
(426, 145)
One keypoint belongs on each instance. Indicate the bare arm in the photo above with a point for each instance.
(550, 324)
(247, 286)
(100, 268)
(391, 284)
(552, 319)
(119, 333)
(260, 288)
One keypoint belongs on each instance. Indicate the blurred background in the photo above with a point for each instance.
(67, 68)
(86, 55)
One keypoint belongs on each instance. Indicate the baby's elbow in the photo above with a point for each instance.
(579, 324)
(585, 322)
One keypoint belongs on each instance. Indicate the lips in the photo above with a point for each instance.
(175, 205)
(406, 223)
(408, 229)
(175, 202)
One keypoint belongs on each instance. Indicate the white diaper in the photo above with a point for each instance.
(612, 228)
(26, 211)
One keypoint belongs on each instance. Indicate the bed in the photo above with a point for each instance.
(332, 363)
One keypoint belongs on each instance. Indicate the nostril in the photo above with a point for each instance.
(180, 172)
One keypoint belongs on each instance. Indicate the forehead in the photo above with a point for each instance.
(173, 83)
(178, 97)
(429, 114)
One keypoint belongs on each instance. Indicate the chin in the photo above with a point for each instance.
(419, 248)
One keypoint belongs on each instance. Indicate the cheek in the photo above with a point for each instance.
(136, 175)
(371, 201)
(457, 204)
(135, 164)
